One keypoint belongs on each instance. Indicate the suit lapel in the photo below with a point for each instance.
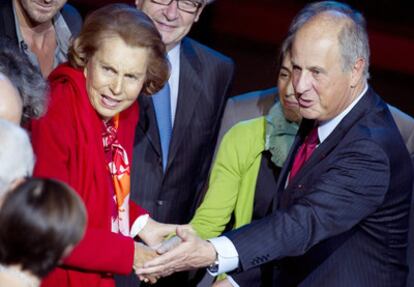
(148, 123)
(189, 92)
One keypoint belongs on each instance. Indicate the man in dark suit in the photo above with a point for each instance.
(167, 181)
(41, 29)
(341, 218)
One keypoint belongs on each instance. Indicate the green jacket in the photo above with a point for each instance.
(233, 180)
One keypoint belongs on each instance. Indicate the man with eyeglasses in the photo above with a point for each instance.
(168, 181)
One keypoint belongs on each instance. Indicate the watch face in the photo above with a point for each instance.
(214, 267)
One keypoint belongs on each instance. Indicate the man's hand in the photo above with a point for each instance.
(174, 241)
(142, 254)
(154, 232)
(192, 253)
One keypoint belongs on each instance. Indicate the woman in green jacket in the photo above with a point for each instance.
(231, 194)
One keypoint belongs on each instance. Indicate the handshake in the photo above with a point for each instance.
(160, 258)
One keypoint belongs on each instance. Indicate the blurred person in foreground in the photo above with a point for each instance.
(16, 155)
(341, 212)
(23, 89)
(41, 221)
(85, 139)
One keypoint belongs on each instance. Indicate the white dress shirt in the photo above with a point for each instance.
(174, 80)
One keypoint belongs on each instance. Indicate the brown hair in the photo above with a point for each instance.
(133, 27)
(39, 220)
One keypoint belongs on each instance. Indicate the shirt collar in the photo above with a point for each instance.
(326, 128)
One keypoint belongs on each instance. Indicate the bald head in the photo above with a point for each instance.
(11, 107)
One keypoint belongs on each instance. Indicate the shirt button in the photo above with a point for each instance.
(160, 202)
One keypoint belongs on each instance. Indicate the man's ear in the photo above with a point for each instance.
(357, 71)
(197, 16)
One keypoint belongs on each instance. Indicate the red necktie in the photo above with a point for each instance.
(304, 152)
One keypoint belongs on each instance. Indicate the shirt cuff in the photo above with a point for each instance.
(139, 224)
(232, 282)
(228, 258)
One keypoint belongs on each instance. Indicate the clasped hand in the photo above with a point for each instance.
(185, 251)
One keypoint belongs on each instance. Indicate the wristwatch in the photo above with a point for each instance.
(214, 267)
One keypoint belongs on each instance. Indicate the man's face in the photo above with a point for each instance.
(322, 88)
(40, 11)
(286, 93)
(172, 23)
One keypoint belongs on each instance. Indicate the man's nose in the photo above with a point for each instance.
(171, 11)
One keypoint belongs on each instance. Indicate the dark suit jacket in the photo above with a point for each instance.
(343, 220)
(7, 22)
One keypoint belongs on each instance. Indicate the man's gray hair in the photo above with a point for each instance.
(353, 39)
(26, 78)
(16, 154)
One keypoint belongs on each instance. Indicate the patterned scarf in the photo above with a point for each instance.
(119, 166)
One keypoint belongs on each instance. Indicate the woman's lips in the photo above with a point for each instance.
(109, 102)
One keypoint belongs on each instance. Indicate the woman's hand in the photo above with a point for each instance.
(154, 233)
(143, 254)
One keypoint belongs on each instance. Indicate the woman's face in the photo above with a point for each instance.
(286, 93)
(115, 75)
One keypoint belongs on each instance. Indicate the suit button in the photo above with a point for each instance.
(160, 202)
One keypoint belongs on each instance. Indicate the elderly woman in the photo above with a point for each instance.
(53, 216)
(249, 160)
(23, 89)
(86, 139)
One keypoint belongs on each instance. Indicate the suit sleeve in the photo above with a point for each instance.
(220, 200)
(351, 189)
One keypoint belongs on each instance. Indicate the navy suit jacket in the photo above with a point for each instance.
(343, 219)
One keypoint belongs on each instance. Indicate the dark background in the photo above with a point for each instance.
(250, 31)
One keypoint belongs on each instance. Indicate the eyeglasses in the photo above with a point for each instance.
(188, 6)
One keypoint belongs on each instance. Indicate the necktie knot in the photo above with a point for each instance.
(304, 152)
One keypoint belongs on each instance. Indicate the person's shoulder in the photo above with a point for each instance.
(252, 128)
(258, 96)
(245, 140)
(7, 25)
(72, 18)
(6, 5)
(405, 124)
(204, 51)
